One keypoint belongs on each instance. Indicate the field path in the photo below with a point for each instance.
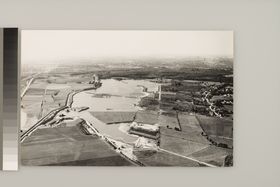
(27, 87)
(195, 160)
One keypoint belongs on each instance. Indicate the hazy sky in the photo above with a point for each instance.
(49, 46)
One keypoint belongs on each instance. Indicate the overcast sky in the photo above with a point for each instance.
(49, 46)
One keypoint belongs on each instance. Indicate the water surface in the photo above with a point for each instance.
(113, 95)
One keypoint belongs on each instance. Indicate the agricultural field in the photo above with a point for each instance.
(186, 86)
(214, 126)
(161, 158)
(193, 141)
(148, 117)
(46, 93)
(181, 145)
(190, 135)
(187, 129)
(169, 121)
(219, 131)
(189, 122)
(212, 155)
(114, 117)
(68, 146)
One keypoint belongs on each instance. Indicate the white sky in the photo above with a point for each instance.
(49, 46)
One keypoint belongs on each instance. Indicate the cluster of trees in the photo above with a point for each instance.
(175, 128)
(148, 101)
(228, 162)
(222, 145)
(183, 107)
(222, 89)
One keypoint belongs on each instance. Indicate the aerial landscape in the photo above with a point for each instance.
(102, 98)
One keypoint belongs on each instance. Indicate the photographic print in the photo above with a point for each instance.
(126, 98)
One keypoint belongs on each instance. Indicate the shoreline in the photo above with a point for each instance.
(68, 104)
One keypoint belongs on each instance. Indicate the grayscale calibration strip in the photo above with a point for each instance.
(9, 98)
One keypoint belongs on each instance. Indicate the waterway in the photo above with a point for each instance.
(115, 95)
(112, 96)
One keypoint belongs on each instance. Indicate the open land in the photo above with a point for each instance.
(182, 114)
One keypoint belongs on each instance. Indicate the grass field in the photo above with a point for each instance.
(114, 117)
(212, 155)
(189, 122)
(152, 117)
(160, 158)
(190, 135)
(218, 140)
(214, 126)
(168, 121)
(68, 146)
(193, 144)
(148, 117)
(180, 145)
(191, 86)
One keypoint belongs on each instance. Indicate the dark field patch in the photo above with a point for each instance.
(214, 126)
(68, 146)
(148, 117)
(212, 155)
(188, 121)
(222, 140)
(180, 145)
(177, 86)
(104, 161)
(114, 117)
(161, 158)
(35, 91)
(190, 135)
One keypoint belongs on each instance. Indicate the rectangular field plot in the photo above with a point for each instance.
(68, 146)
(216, 126)
(114, 117)
(212, 155)
(161, 158)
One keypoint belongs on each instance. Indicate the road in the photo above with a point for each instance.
(195, 160)
(43, 120)
(211, 107)
(49, 116)
(27, 87)
(90, 120)
(69, 99)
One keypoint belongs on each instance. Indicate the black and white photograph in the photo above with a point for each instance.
(126, 98)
